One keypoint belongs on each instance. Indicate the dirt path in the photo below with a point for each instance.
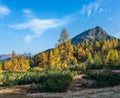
(113, 92)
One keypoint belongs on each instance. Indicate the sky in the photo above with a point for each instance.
(35, 25)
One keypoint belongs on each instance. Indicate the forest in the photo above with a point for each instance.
(87, 55)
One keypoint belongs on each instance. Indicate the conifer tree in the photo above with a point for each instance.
(0, 67)
(13, 56)
(90, 61)
(64, 37)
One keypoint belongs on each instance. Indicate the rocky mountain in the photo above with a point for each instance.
(5, 57)
(93, 34)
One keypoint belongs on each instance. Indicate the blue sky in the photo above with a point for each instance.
(35, 25)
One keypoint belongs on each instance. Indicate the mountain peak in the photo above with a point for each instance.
(98, 27)
(93, 34)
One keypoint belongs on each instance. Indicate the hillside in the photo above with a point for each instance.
(5, 57)
(93, 34)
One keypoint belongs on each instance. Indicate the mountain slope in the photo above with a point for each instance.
(5, 57)
(94, 34)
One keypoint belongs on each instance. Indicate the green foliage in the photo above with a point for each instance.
(90, 61)
(103, 79)
(64, 37)
(47, 80)
(54, 83)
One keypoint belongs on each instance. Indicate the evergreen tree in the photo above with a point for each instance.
(90, 61)
(13, 56)
(64, 37)
(0, 67)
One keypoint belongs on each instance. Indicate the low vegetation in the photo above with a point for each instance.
(50, 81)
(103, 79)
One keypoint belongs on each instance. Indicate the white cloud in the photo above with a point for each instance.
(27, 11)
(109, 18)
(96, 6)
(4, 10)
(91, 8)
(83, 10)
(28, 38)
(38, 26)
(89, 12)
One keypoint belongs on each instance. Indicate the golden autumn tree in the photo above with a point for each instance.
(57, 58)
(69, 53)
(23, 63)
(0, 67)
(51, 60)
(26, 64)
(7, 65)
(97, 46)
(43, 60)
(17, 63)
(13, 57)
(66, 50)
(80, 54)
(112, 57)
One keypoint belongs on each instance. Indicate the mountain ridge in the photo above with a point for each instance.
(87, 35)
(92, 34)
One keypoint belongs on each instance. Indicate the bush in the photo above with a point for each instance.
(115, 66)
(48, 80)
(104, 79)
(54, 83)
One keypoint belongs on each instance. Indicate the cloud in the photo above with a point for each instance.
(89, 12)
(28, 38)
(83, 10)
(100, 10)
(109, 18)
(28, 13)
(91, 8)
(4, 10)
(38, 26)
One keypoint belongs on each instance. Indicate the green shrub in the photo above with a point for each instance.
(48, 80)
(54, 83)
(113, 66)
(103, 79)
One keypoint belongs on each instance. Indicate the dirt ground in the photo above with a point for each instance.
(110, 92)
